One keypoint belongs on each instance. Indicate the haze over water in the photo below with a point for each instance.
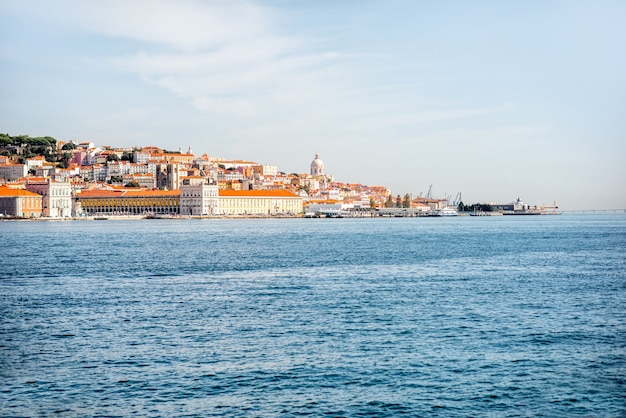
(468, 316)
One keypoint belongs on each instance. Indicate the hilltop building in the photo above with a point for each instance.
(10, 172)
(317, 166)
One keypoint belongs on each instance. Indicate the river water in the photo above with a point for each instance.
(467, 316)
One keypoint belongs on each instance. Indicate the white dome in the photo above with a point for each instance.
(317, 166)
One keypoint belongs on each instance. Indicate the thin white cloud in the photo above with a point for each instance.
(227, 57)
(182, 24)
(223, 56)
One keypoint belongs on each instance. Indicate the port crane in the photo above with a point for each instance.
(456, 200)
(429, 194)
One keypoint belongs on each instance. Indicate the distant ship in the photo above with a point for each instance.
(447, 211)
(520, 208)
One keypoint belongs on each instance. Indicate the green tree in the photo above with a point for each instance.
(5, 140)
(68, 146)
(406, 203)
(132, 183)
(37, 142)
(50, 140)
(64, 159)
(20, 140)
(389, 202)
(113, 157)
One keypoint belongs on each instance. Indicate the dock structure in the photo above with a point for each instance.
(595, 211)
(401, 212)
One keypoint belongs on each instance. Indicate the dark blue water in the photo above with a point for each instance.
(506, 316)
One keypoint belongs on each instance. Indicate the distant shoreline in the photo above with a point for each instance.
(258, 216)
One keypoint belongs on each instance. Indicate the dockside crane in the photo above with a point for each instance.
(457, 199)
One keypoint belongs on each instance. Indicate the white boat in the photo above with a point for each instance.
(447, 211)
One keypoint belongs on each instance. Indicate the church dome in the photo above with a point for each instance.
(317, 166)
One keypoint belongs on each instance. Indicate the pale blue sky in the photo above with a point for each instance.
(494, 99)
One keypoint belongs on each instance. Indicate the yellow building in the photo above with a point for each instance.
(129, 202)
(259, 202)
(168, 202)
(20, 203)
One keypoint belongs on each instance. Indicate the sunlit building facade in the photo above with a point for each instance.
(129, 202)
(259, 202)
(20, 203)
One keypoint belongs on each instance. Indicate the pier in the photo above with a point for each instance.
(594, 211)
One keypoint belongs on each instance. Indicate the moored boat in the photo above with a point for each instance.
(447, 211)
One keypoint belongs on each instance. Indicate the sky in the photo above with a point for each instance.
(496, 100)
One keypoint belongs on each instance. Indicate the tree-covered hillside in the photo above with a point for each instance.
(22, 147)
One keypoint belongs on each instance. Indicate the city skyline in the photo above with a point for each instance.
(493, 100)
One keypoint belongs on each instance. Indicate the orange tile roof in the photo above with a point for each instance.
(6, 191)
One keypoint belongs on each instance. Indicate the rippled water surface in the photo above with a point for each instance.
(506, 316)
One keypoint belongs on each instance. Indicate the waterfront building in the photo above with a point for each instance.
(101, 202)
(198, 197)
(57, 196)
(430, 203)
(259, 202)
(19, 203)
